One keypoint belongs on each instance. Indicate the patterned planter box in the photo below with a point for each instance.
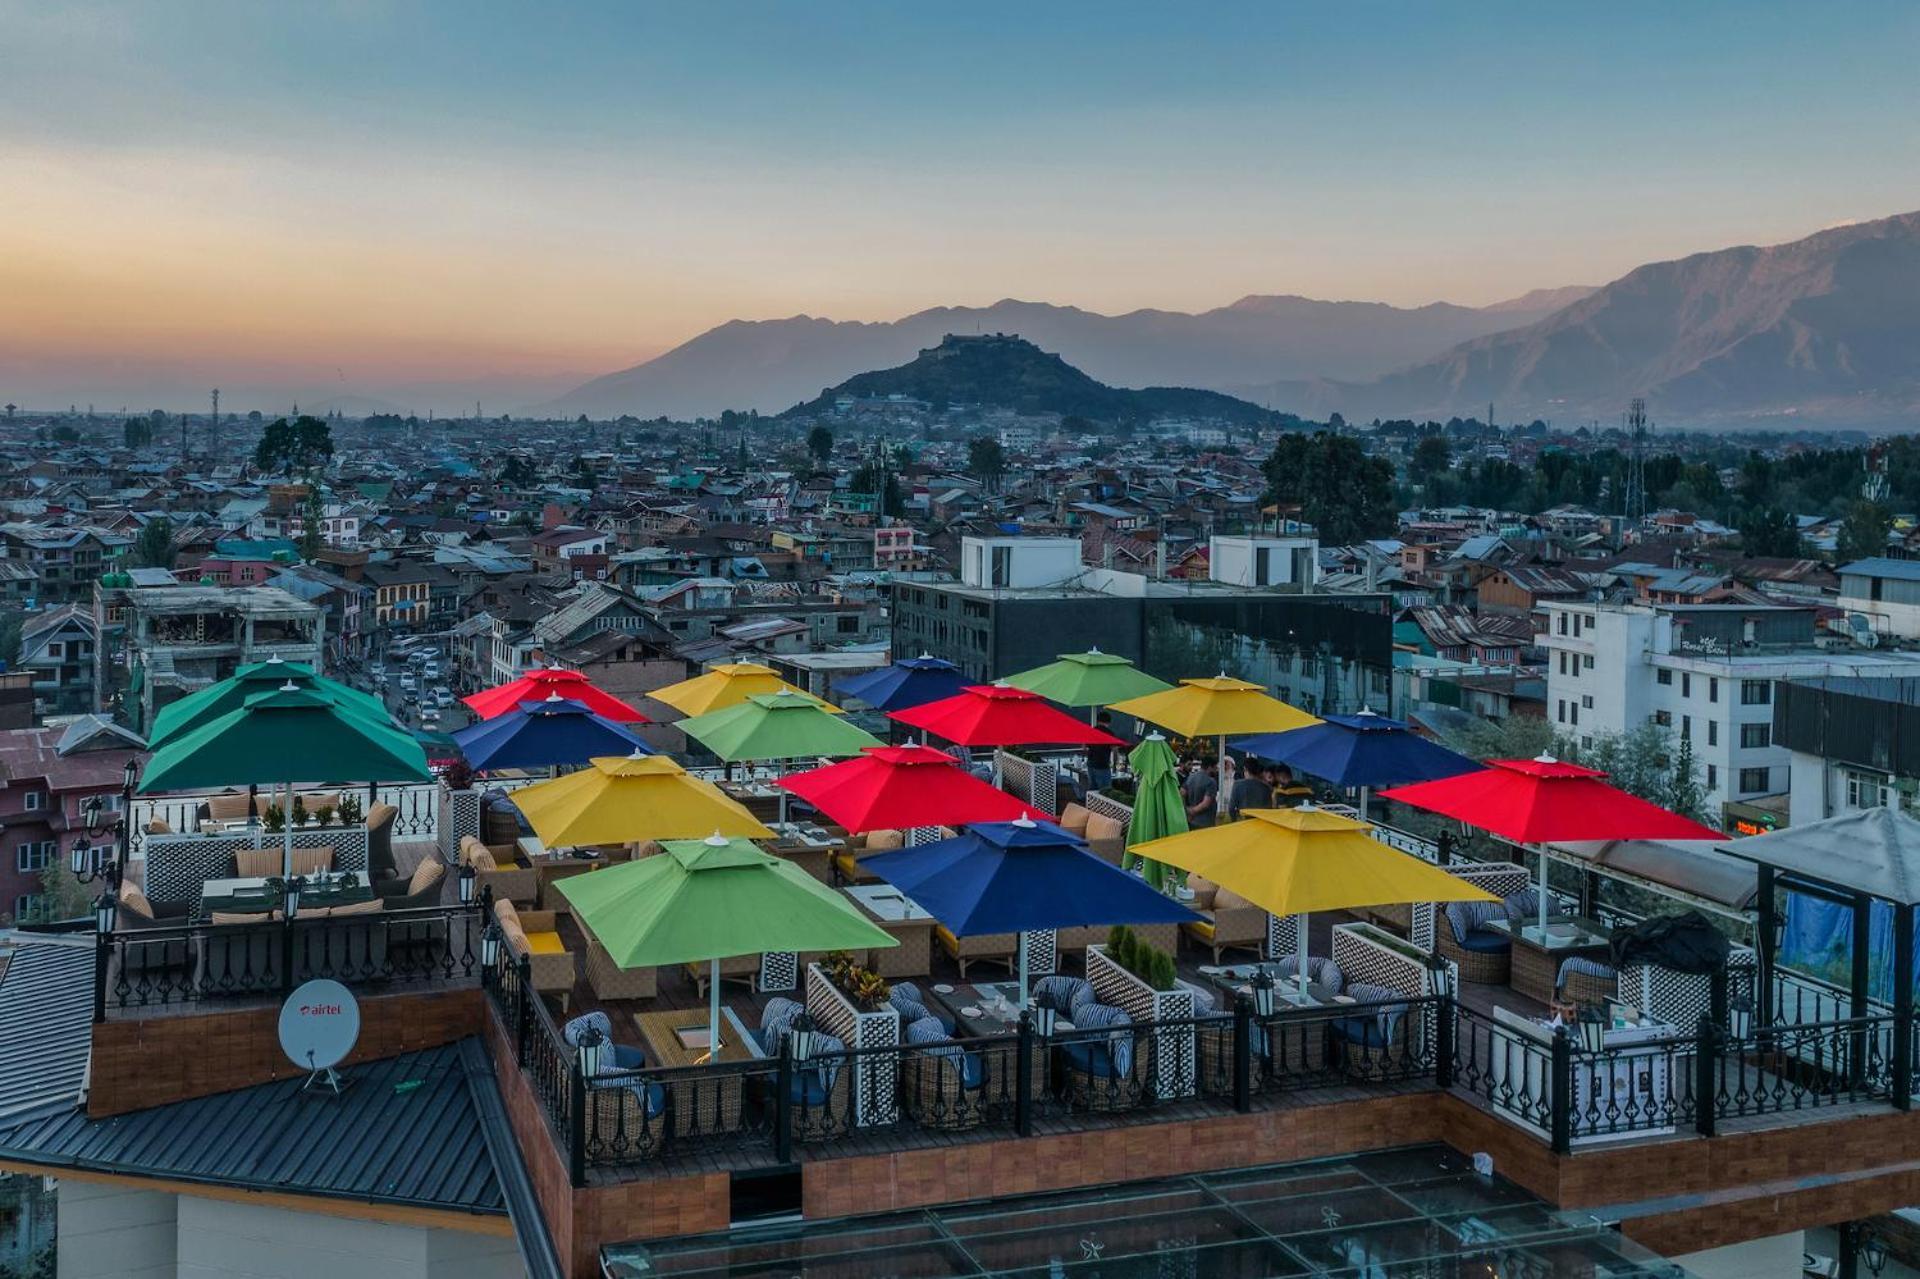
(457, 816)
(1370, 954)
(1173, 1046)
(875, 1078)
(177, 865)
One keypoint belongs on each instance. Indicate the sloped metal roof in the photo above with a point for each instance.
(46, 1019)
(404, 1132)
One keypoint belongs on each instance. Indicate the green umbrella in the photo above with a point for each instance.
(231, 694)
(1091, 678)
(1158, 808)
(712, 899)
(281, 736)
(780, 725)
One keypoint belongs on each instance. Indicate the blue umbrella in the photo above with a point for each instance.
(1020, 877)
(541, 734)
(911, 681)
(1364, 750)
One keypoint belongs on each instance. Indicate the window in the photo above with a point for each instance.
(1586, 701)
(1573, 713)
(1563, 623)
(1586, 743)
(1686, 684)
(35, 801)
(1713, 690)
(1713, 774)
(1866, 790)
(1753, 781)
(1560, 710)
(1754, 736)
(1663, 718)
(1713, 732)
(1563, 663)
(1663, 677)
(1756, 692)
(34, 856)
(1588, 661)
(848, 625)
(1686, 728)
(26, 907)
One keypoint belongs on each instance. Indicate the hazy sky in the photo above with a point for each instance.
(362, 196)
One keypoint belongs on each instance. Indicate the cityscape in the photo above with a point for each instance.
(691, 707)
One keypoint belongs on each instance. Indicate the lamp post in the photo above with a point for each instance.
(291, 900)
(95, 813)
(1593, 1029)
(467, 874)
(489, 950)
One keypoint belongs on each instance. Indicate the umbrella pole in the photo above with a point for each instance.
(781, 825)
(1543, 890)
(1300, 954)
(286, 847)
(713, 1011)
(1022, 948)
(1366, 793)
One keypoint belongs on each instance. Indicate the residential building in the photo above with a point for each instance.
(184, 638)
(1851, 743)
(1885, 595)
(56, 649)
(1704, 672)
(50, 773)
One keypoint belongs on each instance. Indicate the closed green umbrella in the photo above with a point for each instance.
(713, 899)
(1159, 809)
(231, 694)
(782, 725)
(1091, 678)
(281, 736)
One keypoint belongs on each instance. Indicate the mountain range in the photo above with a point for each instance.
(771, 364)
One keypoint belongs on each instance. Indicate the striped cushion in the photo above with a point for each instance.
(1586, 968)
(1093, 1016)
(1063, 994)
(1467, 916)
(598, 1020)
(1522, 906)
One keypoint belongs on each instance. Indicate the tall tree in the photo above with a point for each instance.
(986, 461)
(1344, 493)
(153, 548)
(312, 515)
(297, 447)
(1431, 456)
(820, 443)
(1863, 534)
(1769, 531)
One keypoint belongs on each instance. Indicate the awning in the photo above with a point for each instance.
(1693, 868)
(1876, 852)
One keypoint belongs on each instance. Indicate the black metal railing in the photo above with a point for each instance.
(1803, 1067)
(188, 963)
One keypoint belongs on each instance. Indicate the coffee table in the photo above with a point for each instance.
(1537, 955)
(254, 894)
(708, 1102)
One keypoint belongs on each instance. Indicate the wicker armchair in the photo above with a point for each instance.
(380, 863)
(346, 943)
(509, 879)
(609, 980)
(148, 969)
(240, 955)
(1108, 1072)
(1587, 981)
(1484, 957)
(987, 948)
(820, 1094)
(942, 1087)
(533, 934)
(1374, 1039)
(1234, 923)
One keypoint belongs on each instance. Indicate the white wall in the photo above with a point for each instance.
(1776, 1257)
(108, 1231)
(1233, 560)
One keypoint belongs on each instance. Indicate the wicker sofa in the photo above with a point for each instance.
(608, 979)
(509, 878)
(1232, 922)
(533, 934)
(259, 863)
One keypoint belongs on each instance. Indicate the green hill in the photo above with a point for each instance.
(1005, 372)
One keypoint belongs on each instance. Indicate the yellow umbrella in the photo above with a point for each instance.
(1293, 861)
(727, 685)
(1220, 707)
(627, 798)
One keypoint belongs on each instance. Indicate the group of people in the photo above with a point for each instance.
(1259, 785)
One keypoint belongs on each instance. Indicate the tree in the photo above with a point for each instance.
(1684, 793)
(312, 515)
(1431, 456)
(583, 476)
(66, 434)
(1344, 493)
(820, 444)
(986, 461)
(1769, 531)
(297, 446)
(518, 472)
(137, 433)
(153, 548)
(1863, 534)
(11, 622)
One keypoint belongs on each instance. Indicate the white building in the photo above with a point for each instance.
(1706, 672)
(1885, 594)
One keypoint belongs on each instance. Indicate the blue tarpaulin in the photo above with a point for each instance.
(1819, 942)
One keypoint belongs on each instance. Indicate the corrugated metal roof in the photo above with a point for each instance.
(1879, 566)
(379, 1142)
(46, 1019)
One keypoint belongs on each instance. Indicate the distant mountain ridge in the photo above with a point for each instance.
(1001, 371)
(769, 364)
(1822, 329)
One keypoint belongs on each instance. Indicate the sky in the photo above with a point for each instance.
(439, 202)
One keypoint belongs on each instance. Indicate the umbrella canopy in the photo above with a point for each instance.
(713, 898)
(996, 715)
(782, 725)
(728, 685)
(1217, 707)
(1541, 800)
(626, 798)
(1292, 861)
(1159, 810)
(1091, 678)
(550, 681)
(1017, 877)
(231, 694)
(895, 787)
(1359, 750)
(286, 734)
(911, 681)
(540, 734)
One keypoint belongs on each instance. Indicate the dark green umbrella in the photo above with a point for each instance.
(231, 694)
(281, 736)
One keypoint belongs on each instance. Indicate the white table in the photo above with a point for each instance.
(887, 904)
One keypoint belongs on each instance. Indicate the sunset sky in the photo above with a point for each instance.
(441, 201)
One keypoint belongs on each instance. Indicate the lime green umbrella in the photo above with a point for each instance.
(782, 725)
(1091, 678)
(1158, 808)
(231, 694)
(712, 899)
(281, 736)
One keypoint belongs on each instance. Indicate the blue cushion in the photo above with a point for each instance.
(1362, 1031)
(628, 1058)
(928, 1030)
(807, 1088)
(1094, 1059)
(1482, 942)
(1464, 917)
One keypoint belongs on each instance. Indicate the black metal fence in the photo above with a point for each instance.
(192, 963)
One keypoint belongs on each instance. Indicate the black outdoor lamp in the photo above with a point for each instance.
(800, 1037)
(292, 899)
(1439, 976)
(490, 947)
(1593, 1029)
(1044, 1016)
(466, 884)
(1262, 990)
(129, 775)
(106, 909)
(1873, 1251)
(1740, 1018)
(591, 1042)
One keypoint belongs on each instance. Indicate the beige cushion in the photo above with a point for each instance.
(1204, 891)
(1075, 819)
(882, 840)
(425, 876)
(1099, 827)
(379, 814)
(158, 827)
(369, 907)
(135, 901)
(512, 933)
(476, 854)
(253, 863)
(241, 917)
(229, 808)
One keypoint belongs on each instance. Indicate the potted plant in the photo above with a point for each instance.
(850, 1002)
(323, 815)
(350, 810)
(275, 820)
(299, 811)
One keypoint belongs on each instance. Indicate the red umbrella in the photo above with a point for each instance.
(896, 787)
(1543, 801)
(996, 715)
(551, 681)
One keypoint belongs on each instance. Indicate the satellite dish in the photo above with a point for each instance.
(319, 1025)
